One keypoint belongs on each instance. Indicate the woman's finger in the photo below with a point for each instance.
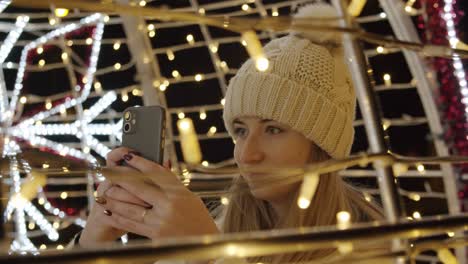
(149, 193)
(103, 187)
(136, 227)
(120, 194)
(159, 175)
(131, 211)
(115, 156)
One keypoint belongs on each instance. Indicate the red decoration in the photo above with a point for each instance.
(434, 30)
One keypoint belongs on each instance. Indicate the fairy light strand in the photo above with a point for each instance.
(457, 62)
(5, 50)
(89, 73)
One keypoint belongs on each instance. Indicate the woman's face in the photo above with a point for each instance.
(264, 143)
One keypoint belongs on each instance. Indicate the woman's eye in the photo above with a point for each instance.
(273, 130)
(240, 131)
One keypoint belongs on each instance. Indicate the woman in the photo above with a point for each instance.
(300, 110)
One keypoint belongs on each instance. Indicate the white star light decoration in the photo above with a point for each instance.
(30, 131)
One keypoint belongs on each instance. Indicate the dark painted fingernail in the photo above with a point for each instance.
(107, 212)
(100, 200)
(149, 206)
(127, 157)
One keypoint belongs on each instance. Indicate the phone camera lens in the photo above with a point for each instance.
(127, 127)
(127, 116)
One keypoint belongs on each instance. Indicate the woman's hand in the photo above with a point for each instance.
(173, 210)
(98, 227)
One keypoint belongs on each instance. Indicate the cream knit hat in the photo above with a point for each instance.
(307, 87)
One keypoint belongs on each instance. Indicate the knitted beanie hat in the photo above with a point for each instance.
(306, 86)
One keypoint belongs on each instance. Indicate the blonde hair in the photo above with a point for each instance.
(246, 213)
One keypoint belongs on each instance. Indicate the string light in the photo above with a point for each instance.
(198, 77)
(89, 41)
(150, 27)
(343, 220)
(106, 19)
(367, 197)
(164, 85)
(64, 56)
(116, 45)
(190, 39)
(205, 163)
(60, 247)
(223, 101)
(69, 43)
(380, 49)
(170, 55)
(189, 141)
(135, 92)
(63, 111)
(420, 168)
(387, 79)
(43, 247)
(416, 215)
(181, 115)
(308, 188)
(142, 3)
(415, 197)
(64, 195)
(23, 99)
(383, 15)
(224, 200)
(48, 104)
(117, 66)
(454, 41)
(245, 7)
(41, 63)
(98, 87)
(211, 131)
(152, 33)
(201, 11)
(202, 115)
(39, 50)
(176, 74)
(124, 96)
(214, 47)
(61, 12)
(255, 50)
(274, 12)
(40, 41)
(52, 20)
(224, 66)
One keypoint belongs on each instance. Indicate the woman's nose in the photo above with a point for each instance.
(252, 151)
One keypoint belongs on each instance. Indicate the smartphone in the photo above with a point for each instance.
(144, 130)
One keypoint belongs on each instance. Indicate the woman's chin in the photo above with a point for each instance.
(273, 192)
